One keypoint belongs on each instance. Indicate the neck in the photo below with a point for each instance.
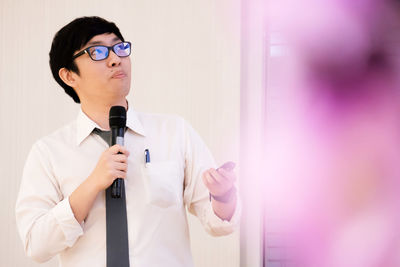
(99, 113)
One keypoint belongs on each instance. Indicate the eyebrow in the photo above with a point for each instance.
(100, 42)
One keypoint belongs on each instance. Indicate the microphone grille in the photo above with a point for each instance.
(117, 117)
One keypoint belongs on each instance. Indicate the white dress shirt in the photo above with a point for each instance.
(156, 194)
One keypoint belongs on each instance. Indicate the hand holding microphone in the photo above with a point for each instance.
(112, 165)
(117, 120)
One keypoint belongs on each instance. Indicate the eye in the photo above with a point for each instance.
(122, 49)
(97, 51)
(123, 45)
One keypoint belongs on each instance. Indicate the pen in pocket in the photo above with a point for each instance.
(147, 157)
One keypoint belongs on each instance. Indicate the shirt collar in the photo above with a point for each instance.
(85, 126)
(133, 122)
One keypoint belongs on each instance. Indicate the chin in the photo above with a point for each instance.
(124, 93)
(121, 87)
(118, 94)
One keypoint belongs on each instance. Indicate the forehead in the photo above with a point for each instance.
(107, 39)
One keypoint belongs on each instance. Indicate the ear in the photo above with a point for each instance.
(68, 77)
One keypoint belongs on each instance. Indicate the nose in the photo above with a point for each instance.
(113, 59)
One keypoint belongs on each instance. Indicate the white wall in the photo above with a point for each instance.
(186, 60)
(253, 135)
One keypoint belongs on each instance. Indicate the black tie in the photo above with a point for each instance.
(116, 221)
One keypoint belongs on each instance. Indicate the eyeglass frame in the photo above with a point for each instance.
(86, 50)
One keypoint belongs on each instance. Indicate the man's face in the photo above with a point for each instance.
(106, 81)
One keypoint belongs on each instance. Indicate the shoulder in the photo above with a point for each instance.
(158, 120)
(145, 117)
(65, 135)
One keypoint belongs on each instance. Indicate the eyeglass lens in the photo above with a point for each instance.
(101, 52)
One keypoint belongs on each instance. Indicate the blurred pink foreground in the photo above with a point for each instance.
(333, 152)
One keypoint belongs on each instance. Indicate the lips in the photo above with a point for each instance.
(118, 75)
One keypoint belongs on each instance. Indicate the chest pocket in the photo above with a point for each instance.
(163, 183)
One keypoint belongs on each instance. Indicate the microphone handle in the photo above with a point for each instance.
(117, 137)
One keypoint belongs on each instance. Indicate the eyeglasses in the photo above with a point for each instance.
(100, 52)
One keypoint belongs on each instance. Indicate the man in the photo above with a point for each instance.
(61, 209)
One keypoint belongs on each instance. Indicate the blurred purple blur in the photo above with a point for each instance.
(333, 150)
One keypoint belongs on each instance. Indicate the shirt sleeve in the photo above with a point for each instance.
(196, 196)
(44, 217)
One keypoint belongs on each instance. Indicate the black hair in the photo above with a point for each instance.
(73, 37)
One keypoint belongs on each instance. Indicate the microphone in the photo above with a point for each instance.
(117, 120)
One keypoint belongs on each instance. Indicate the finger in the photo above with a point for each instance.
(126, 152)
(120, 158)
(210, 180)
(121, 166)
(228, 175)
(205, 180)
(119, 174)
(216, 176)
(115, 149)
